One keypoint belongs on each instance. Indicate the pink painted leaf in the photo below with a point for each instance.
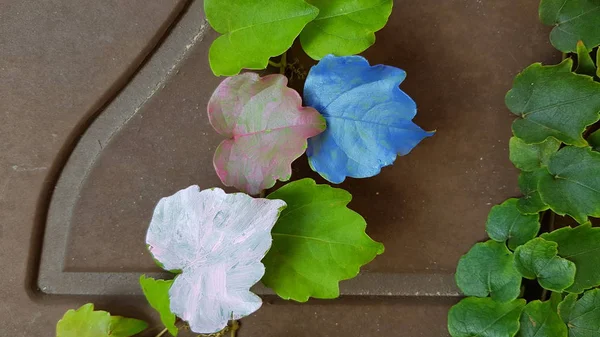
(267, 129)
(217, 240)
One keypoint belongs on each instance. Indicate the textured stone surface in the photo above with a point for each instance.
(64, 63)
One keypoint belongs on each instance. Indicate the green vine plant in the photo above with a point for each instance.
(301, 239)
(556, 146)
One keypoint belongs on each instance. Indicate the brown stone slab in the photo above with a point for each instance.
(428, 208)
(88, 149)
(60, 62)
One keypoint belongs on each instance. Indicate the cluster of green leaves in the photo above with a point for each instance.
(557, 152)
(253, 31)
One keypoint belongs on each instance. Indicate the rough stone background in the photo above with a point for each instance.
(67, 66)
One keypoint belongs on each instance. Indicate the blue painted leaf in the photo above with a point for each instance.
(369, 119)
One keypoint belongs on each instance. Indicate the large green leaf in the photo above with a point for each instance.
(85, 322)
(344, 27)
(574, 20)
(487, 269)
(157, 294)
(539, 319)
(530, 157)
(553, 102)
(585, 64)
(583, 316)
(317, 242)
(580, 245)
(531, 202)
(484, 317)
(538, 259)
(572, 184)
(253, 31)
(506, 223)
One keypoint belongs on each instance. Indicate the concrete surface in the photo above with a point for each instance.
(102, 113)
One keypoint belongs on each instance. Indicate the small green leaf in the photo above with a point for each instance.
(555, 299)
(583, 316)
(553, 102)
(531, 202)
(484, 317)
(538, 259)
(253, 31)
(125, 327)
(157, 294)
(585, 64)
(85, 322)
(506, 223)
(581, 246)
(539, 319)
(594, 140)
(571, 185)
(344, 27)
(530, 157)
(566, 306)
(574, 20)
(317, 242)
(487, 269)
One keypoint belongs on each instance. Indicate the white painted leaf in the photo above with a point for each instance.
(217, 240)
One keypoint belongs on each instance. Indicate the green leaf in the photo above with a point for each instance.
(555, 299)
(253, 31)
(566, 306)
(531, 202)
(581, 246)
(317, 242)
(487, 269)
(538, 259)
(85, 322)
(585, 64)
(530, 157)
(594, 140)
(574, 20)
(598, 62)
(344, 27)
(157, 294)
(583, 317)
(572, 185)
(553, 102)
(506, 223)
(484, 317)
(539, 319)
(125, 327)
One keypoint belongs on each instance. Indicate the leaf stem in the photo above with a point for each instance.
(283, 63)
(162, 332)
(234, 328)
